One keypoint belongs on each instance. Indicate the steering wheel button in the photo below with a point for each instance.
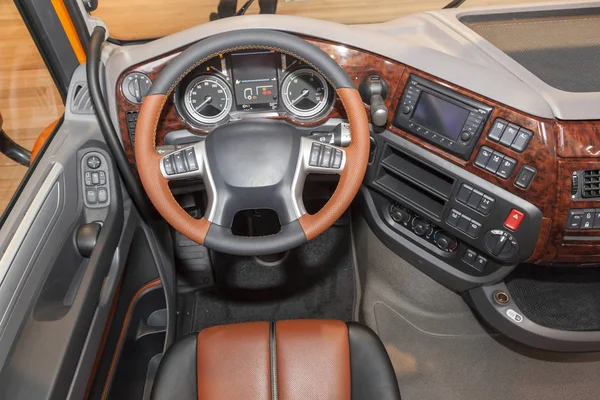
(168, 164)
(326, 157)
(337, 160)
(180, 166)
(315, 150)
(190, 156)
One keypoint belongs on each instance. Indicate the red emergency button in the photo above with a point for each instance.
(514, 219)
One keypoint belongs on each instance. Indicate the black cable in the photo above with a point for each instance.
(454, 4)
(14, 151)
(111, 137)
(245, 7)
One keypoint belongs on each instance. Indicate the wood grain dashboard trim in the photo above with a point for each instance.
(556, 149)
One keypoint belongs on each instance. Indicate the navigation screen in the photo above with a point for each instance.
(255, 80)
(440, 116)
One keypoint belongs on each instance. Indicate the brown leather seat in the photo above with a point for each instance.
(287, 360)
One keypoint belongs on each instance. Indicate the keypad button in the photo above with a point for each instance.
(525, 177)
(102, 195)
(509, 135)
(474, 199)
(463, 223)
(497, 130)
(315, 150)
(326, 157)
(588, 218)
(94, 162)
(168, 165)
(480, 263)
(474, 229)
(485, 205)
(483, 157)
(522, 140)
(91, 196)
(494, 162)
(469, 257)
(464, 193)
(178, 160)
(575, 218)
(453, 218)
(337, 159)
(507, 167)
(190, 157)
(88, 178)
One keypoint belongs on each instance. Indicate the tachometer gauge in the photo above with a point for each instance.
(305, 93)
(208, 99)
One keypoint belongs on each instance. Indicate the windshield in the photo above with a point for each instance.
(148, 19)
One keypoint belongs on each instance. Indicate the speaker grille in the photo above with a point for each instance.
(591, 183)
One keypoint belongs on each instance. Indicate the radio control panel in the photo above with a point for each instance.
(441, 116)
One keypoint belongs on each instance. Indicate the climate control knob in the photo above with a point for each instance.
(421, 227)
(445, 241)
(399, 215)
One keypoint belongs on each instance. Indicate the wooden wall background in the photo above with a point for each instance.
(29, 101)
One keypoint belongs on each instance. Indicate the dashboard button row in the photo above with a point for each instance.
(510, 135)
(585, 218)
(495, 162)
(464, 223)
(325, 156)
(475, 199)
(180, 162)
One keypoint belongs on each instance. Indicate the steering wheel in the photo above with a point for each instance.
(252, 164)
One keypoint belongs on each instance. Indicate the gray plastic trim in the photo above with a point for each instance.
(27, 222)
(523, 330)
(564, 105)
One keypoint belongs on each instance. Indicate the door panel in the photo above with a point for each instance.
(53, 294)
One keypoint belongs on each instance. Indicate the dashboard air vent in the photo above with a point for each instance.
(591, 183)
(82, 103)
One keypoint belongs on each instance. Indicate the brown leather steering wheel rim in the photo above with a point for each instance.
(148, 160)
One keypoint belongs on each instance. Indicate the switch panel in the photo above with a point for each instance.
(495, 162)
(95, 183)
(584, 218)
(510, 135)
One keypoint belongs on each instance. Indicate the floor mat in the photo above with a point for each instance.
(558, 298)
(316, 280)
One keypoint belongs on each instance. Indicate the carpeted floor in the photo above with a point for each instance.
(316, 280)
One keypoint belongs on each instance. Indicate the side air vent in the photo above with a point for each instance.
(591, 183)
(82, 103)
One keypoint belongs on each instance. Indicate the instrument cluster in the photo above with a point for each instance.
(250, 85)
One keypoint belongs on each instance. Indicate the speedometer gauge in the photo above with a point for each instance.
(305, 93)
(208, 99)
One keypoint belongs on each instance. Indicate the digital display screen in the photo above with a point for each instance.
(255, 80)
(440, 116)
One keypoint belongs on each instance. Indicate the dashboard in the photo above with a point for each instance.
(463, 180)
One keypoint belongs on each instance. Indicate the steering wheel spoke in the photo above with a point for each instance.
(184, 163)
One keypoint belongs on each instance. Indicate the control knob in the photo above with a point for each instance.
(445, 241)
(420, 226)
(501, 244)
(399, 214)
